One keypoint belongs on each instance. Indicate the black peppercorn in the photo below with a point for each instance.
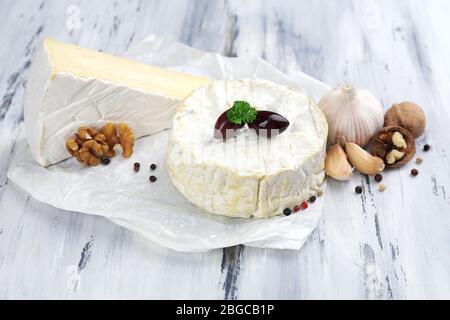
(312, 199)
(105, 160)
(287, 211)
(137, 166)
(378, 177)
(426, 147)
(414, 172)
(358, 189)
(153, 166)
(152, 179)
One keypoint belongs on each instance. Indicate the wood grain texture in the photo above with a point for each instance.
(391, 245)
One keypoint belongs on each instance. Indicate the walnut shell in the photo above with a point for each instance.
(407, 115)
(382, 144)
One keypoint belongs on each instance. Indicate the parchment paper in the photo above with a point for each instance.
(158, 211)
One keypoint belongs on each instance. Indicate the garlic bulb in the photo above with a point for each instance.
(351, 113)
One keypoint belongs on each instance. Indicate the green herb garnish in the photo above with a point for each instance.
(241, 113)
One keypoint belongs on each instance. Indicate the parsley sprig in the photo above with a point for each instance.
(241, 113)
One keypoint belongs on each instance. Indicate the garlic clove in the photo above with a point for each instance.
(363, 161)
(337, 165)
(355, 114)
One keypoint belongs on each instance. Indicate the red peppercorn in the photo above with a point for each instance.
(304, 205)
(297, 208)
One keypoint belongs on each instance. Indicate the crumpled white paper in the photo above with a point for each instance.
(157, 210)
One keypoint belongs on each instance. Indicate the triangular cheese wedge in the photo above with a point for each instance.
(70, 86)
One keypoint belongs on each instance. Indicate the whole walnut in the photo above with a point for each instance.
(407, 115)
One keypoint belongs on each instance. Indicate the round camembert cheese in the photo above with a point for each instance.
(248, 175)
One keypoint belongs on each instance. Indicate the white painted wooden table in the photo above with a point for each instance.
(391, 245)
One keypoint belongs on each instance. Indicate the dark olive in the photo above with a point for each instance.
(273, 123)
(224, 128)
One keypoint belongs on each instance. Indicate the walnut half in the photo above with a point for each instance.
(395, 145)
(126, 139)
(90, 145)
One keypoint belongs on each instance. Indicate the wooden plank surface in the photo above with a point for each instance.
(391, 245)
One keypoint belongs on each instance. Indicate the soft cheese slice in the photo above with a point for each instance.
(70, 86)
(247, 176)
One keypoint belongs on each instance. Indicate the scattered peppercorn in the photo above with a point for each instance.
(297, 208)
(136, 166)
(378, 177)
(426, 147)
(419, 161)
(358, 189)
(319, 193)
(153, 166)
(414, 172)
(153, 179)
(105, 160)
(304, 205)
(312, 199)
(381, 187)
(287, 212)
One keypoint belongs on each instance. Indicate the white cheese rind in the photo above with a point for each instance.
(36, 87)
(247, 176)
(58, 100)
